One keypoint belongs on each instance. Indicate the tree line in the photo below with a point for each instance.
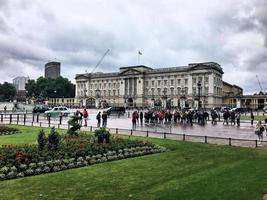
(41, 88)
(7, 91)
(50, 88)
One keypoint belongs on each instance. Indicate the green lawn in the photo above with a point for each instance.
(28, 135)
(187, 171)
(257, 117)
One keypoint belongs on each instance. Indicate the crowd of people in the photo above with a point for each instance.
(154, 117)
(173, 116)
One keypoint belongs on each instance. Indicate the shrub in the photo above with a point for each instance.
(42, 140)
(4, 170)
(2, 176)
(5, 130)
(102, 135)
(29, 172)
(20, 175)
(11, 175)
(74, 125)
(53, 140)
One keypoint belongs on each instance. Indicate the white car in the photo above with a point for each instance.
(57, 111)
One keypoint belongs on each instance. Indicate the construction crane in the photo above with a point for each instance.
(99, 62)
(261, 90)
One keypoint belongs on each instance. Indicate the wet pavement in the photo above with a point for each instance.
(244, 132)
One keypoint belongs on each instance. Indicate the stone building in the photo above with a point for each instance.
(20, 82)
(195, 85)
(52, 70)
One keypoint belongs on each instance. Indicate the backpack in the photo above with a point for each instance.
(85, 114)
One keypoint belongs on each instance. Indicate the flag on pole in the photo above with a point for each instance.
(140, 53)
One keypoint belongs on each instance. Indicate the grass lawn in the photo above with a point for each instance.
(188, 171)
(28, 135)
(257, 117)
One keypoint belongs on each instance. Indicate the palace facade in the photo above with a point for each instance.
(196, 85)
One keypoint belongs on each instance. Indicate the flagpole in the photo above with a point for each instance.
(138, 58)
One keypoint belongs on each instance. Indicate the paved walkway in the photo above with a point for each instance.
(244, 132)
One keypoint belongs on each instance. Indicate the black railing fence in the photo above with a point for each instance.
(43, 121)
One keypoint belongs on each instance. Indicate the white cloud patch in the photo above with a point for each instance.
(169, 33)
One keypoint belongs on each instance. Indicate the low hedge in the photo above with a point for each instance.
(5, 130)
(32, 168)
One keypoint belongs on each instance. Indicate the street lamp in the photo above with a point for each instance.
(84, 97)
(164, 97)
(97, 95)
(183, 97)
(199, 88)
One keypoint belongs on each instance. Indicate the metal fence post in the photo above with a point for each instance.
(58, 125)
(116, 130)
(164, 135)
(24, 119)
(131, 131)
(60, 119)
(183, 137)
(40, 124)
(256, 143)
(49, 121)
(1, 117)
(17, 118)
(10, 118)
(37, 118)
(230, 141)
(91, 128)
(206, 139)
(33, 117)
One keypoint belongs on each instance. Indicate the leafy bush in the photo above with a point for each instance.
(53, 139)
(74, 125)
(42, 140)
(102, 135)
(5, 130)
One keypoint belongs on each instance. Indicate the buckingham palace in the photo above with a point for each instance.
(195, 85)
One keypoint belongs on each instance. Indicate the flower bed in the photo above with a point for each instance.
(4, 130)
(76, 151)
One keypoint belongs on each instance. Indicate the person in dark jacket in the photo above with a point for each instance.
(98, 118)
(141, 118)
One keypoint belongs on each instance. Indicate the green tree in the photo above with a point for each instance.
(7, 91)
(50, 88)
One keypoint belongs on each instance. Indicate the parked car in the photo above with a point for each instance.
(217, 109)
(39, 108)
(57, 111)
(240, 110)
(225, 109)
(116, 110)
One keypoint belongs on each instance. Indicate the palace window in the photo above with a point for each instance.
(179, 82)
(194, 81)
(165, 82)
(186, 81)
(206, 80)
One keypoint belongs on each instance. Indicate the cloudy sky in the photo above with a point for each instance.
(168, 33)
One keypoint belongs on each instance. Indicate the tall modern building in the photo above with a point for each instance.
(52, 70)
(19, 82)
(195, 85)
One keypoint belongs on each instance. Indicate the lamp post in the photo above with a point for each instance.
(97, 94)
(84, 97)
(199, 88)
(153, 99)
(164, 97)
(182, 98)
